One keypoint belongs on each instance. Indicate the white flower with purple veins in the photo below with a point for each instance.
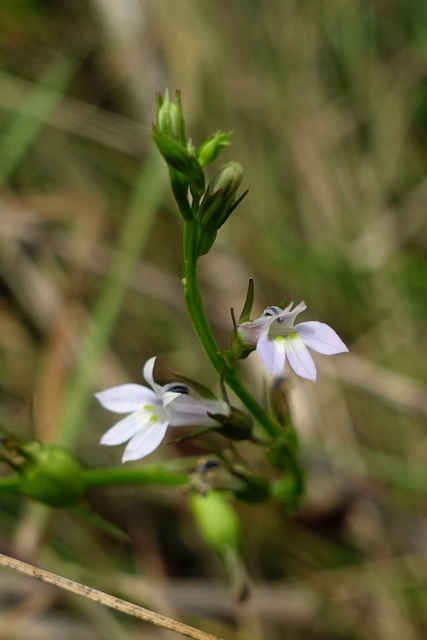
(277, 337)
(152, 411)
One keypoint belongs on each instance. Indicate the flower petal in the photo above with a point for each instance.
(145, 441)
(126, 428)
(251, 332)
(289, 316)
(320, 337)
(147, 372)
(125, 397)
(169, 396)
(272, 354)
(187, 411)
(284, 321)
(300, 359)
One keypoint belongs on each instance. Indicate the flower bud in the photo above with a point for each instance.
(170, 118)
(212, 147)
(51, 475)
(218, 201)
(227, 180)
(169, 136)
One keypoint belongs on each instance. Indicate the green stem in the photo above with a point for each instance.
(197, 315)
(116, 476)
(153, 474)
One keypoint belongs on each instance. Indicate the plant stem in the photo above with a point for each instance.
(153, 474)
(198, 318)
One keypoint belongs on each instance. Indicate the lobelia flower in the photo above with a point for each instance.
(152, 411)
(277, 337)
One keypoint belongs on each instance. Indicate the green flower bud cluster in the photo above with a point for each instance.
(210, 207)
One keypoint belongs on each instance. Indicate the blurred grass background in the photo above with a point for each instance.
(328, 102)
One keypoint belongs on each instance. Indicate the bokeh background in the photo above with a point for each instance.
(328, 103)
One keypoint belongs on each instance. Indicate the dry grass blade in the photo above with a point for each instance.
(105, 599)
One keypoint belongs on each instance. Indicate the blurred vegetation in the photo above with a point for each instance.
(328, 103)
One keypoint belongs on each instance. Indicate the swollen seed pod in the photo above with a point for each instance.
(51, 475)
(216, 519)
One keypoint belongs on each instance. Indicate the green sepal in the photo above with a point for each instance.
(238, 350)
(197, 386)
(196, 433)
(237, 426)
(181, 121)
(249, 301)
(236, 204)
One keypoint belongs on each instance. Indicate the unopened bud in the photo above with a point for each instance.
(170, 118)
(218, 201)
(227, 180)
(169, 136)
(210, 149)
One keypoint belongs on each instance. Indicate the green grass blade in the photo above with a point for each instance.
(27, 123)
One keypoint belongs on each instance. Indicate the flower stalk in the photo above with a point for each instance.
(201, 326)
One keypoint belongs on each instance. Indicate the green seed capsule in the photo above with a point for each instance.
(217, 521)
(51, 475)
